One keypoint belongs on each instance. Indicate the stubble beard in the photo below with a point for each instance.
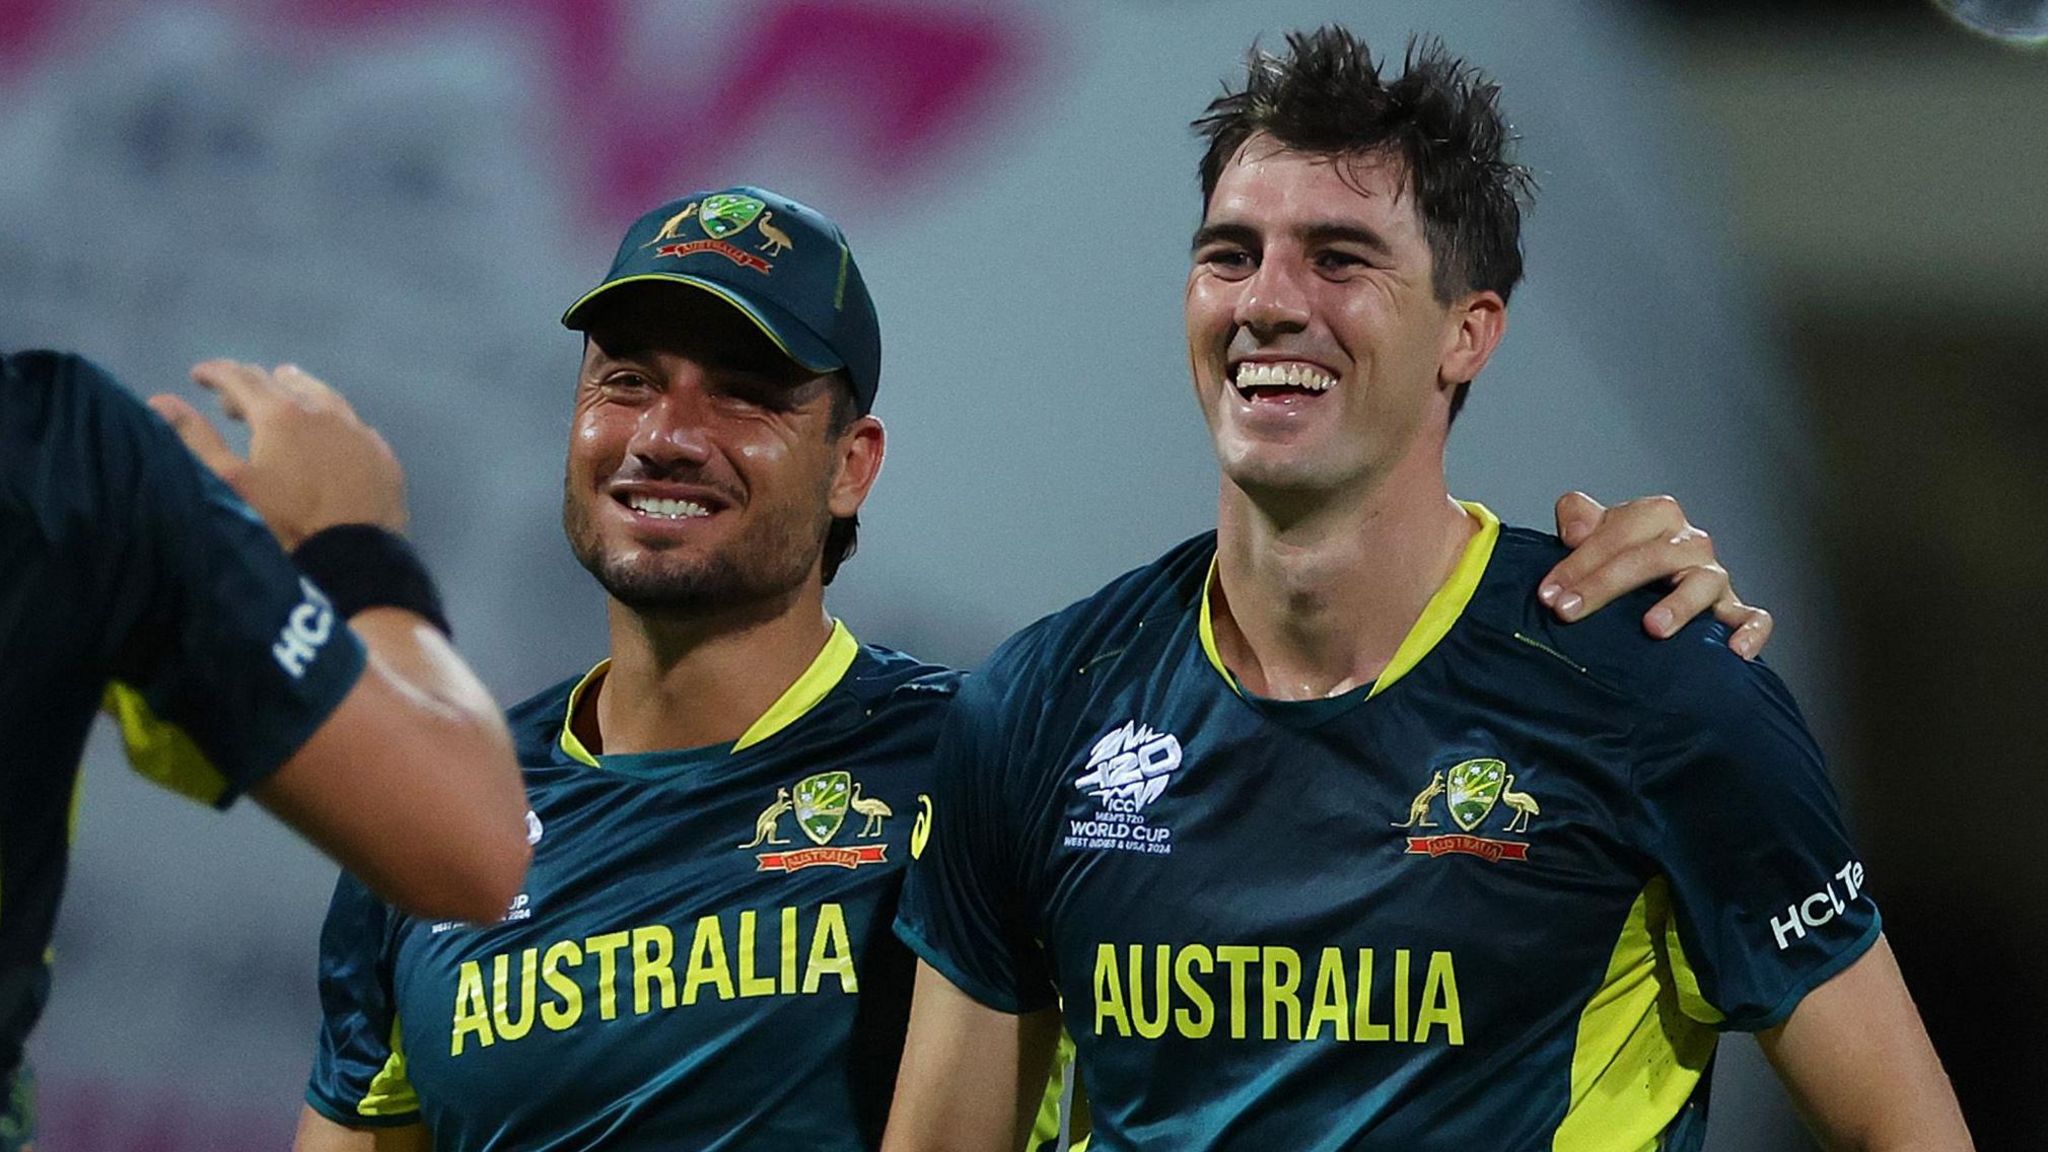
(762, 566)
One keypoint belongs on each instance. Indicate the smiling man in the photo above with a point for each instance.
(1321, 832)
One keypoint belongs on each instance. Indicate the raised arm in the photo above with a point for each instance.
(411, 782)
(972, 1076)
(1858, 1064)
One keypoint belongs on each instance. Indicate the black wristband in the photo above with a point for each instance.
(363, 566)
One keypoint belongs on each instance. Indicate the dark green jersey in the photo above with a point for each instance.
(701, 957)
(1500, 899)
(129, 564)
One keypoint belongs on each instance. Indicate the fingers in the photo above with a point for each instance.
(1577, 515)
(199, 435)
(243, 388)
(1629, 546)
(1750, 627)
(1695, 591)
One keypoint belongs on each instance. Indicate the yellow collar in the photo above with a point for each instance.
(824, 674)
(1438, 615)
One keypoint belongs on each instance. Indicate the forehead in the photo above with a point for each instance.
(1268, 185)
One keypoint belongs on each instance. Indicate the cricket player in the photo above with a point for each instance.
(135, 577)
(1321, 832)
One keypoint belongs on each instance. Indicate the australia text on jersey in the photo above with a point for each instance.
(789, 951)
(1249, 991)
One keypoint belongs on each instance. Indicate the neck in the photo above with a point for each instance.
(1313, 601)
(685, 682)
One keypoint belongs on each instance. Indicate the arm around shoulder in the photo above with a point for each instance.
(411, 783)
(1858, 1064)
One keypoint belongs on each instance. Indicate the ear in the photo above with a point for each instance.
(1472, 330)
(860, 451)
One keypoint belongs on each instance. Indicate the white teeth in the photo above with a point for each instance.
(668, 509)
(1306, 377)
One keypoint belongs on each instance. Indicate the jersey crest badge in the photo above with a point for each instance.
(1471, 790)
(819, 803)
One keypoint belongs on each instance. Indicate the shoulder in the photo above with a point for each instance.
(884, 676)
(1103, 624)
(1610, 646)
(67, 419)
(1690, 688)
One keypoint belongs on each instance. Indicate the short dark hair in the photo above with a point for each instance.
(841, 539)
(1440, 117)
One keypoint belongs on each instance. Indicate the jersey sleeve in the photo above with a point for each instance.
(1768, 894)
(359, 1078)
(225, 659)
(966, 909)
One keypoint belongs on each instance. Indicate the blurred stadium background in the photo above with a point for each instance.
(1785, 263)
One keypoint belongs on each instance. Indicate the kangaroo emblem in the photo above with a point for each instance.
(777, 241)
(1524, 805)
(673, 228)
(764, 826)
(1418, 809)
(873, 809)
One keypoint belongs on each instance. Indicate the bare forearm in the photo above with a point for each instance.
(412, 783)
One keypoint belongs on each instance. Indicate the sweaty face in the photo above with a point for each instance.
(700, 457)
(1314, 334)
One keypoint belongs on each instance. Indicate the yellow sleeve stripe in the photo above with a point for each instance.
(390, 1093)
(161, 751)
(1639, 1056)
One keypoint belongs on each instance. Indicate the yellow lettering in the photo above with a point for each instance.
(606, 949)
(1282, 991)
(1237, 956)
(751, 984)
(1154, 1028)
(1362, 1027)
(707, 961)
(570, 1010)
(501, 979)
(831, 952)
(1109, 994)
(1194, 1025)
(472, 1014)
(1440, 1001)
(1330, 998)
(1400, 994)
(788, 972)
(654, 947)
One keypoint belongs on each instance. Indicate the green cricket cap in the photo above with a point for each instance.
(785, 265)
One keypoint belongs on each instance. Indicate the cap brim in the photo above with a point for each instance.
(788, 333)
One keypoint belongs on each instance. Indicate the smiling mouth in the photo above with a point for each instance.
(662, 509)
(1256, 381)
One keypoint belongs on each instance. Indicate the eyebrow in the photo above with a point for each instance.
(1314, 232)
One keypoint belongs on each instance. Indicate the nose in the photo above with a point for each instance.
(674, 431)
(1273, 299)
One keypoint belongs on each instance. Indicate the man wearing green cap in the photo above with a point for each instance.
(702, 956)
